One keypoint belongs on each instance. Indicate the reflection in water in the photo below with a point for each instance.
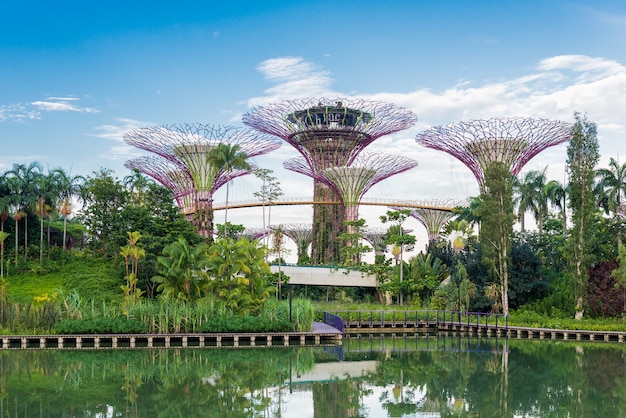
(426, 375)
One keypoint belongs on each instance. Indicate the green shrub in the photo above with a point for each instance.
(246, 324)
(119, 325)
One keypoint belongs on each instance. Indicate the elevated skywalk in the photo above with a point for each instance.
(325, 276)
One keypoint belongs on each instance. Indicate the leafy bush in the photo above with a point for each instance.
(119, 325)
(246, 324)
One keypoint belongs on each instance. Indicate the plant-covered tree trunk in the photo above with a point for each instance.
(497, 219)
(582, 157)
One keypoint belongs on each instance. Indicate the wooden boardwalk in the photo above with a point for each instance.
(375, 322)
(321, 335)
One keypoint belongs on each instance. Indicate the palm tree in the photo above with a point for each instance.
(532, 196)
(69, 187)
(226, 158)
(21, 180)
(557, 196)
(47, 191)
(611, 187)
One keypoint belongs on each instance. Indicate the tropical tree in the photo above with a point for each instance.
(104, 198)
(69, 188)
(239, 274)
(226, 158)
(132, 253)
(557, 196)
(397, 237)
(582, 157)
(497, 219)
(531, 195)
(20, 180)
(270, 191)
(45, 186)
(611, 187)
(469, 213)
(181, 271)
(3, 237)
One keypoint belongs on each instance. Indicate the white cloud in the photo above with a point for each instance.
(115, 132)
(61, 104)
(20, 112)
(294, 78)
(17, 113)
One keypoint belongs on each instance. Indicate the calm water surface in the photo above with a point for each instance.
(416, 376)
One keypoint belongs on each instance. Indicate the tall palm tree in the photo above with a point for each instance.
(611, 187)
(45, 186)
(69, 187)
(226, 158)
(20, 181)
(532, 196)
(557, 196)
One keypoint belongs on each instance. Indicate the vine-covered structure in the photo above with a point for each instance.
(328, 133)
(511, 141)
(182, 163)
(352, 181)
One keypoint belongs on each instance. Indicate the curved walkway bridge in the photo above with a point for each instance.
(308, 200)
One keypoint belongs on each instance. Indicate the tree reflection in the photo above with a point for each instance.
(454, 376)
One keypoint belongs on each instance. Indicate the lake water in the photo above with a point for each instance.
(417, 376)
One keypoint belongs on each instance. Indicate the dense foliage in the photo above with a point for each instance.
(130, 252)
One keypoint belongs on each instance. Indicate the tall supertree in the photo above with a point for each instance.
(434, 214)
(351, 182)
(511, 141)
(301, 234)
(328, 133)
(188, 146)
(494, 150)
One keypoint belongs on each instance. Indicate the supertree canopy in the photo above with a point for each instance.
(187, 148)
(434, 214)
(328, 133)
(353, 181)
(175, 178)
(301, 234)
(376, 237)
(512, 141)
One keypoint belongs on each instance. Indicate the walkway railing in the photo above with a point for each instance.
(334, 321)
(308, 200)
(420, 318)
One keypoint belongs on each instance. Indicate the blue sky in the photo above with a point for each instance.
(75, 75)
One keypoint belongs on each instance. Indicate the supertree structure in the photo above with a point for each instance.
(301, 234)
(434, 214)
(178, 179)
(187, 147)
(512, 141)
(328, 133)
(254, 233)
(376, 237)
(174, 177)
(351, 182)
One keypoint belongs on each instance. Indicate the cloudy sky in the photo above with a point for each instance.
(75, 75)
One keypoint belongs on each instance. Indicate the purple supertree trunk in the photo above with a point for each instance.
(512, 141)
(328, 133)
